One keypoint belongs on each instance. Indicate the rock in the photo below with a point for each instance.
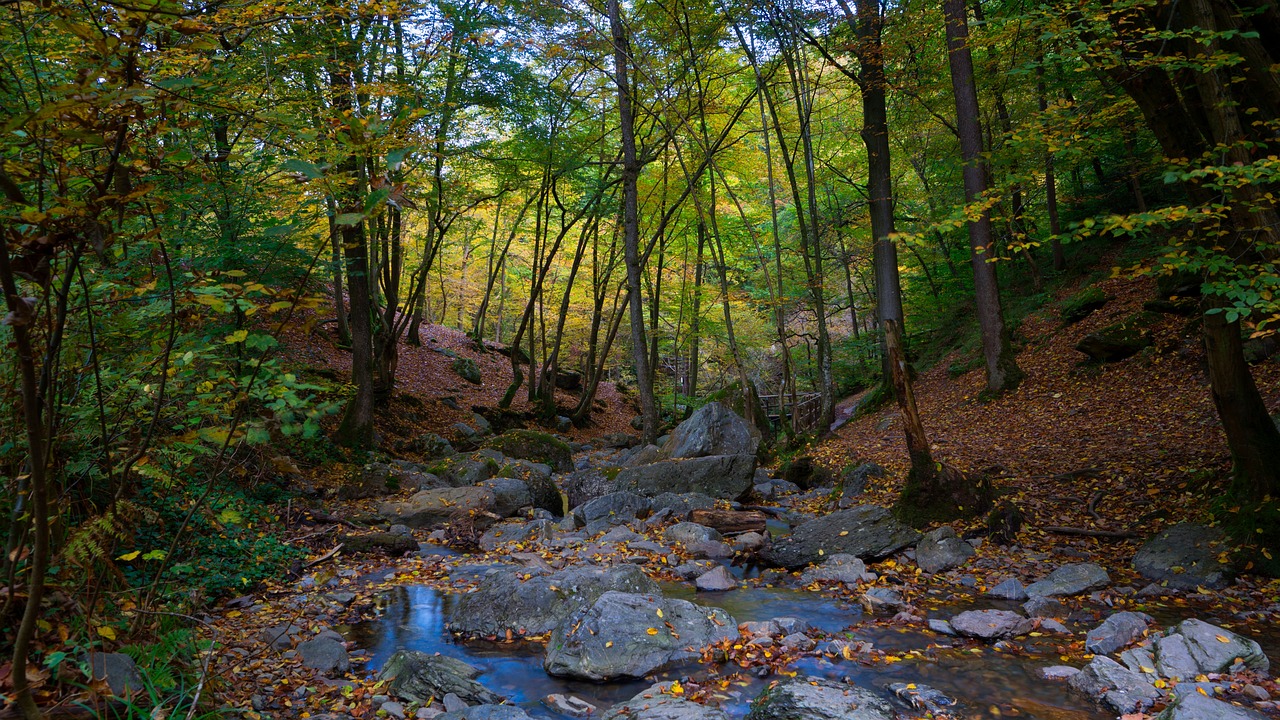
(536, 446)
(682, 505)
(918, 696)
(1120, 340)
(509, 495)
(464, 470)
(1185, 556)
(799, 641)
(502, 602)
(1072, 579)
(119, 671)
(324, 654)
(610, 639)
(569, 705)
(280, 637)
(486, 712)
(843, 568)
(1116, 632)
(393, 709)
(1117, 687)
(712, 429)
(544, 494)
(536, 531)
(1042, 607)
(1058, 672)
(688, 533)
(618, 508)
(641, 456)
(1256, 693)
(718, 476)
(691, 570)
(453, 703)
(1054, 626)
(1194, 706)
(1010, 589)
(717, 580)
(419, 677)
(429, 508)
(384, 542)
(941, 550)
(711, 549)
(467, 369)
(1173, 659)
(809, 698)
(375, 480)
(657, 703)
(879, 598)
(750, 542)
(1082, 304)
(941, 626)
(1215, 650)
(855, 479)
(1138, 659)
(867, 532)
(803, 472)
(587, 484)
(991, 624)
(615, 441)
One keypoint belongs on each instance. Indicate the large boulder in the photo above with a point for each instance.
(543, 492)
(1070, 579)
(464, 470)
(805, 698)
(1116, 632)
(374, 480)
(1119, 688)
(660, 702)
(718, 476)
(1194, 706)
(712, 430)
(533, 445)
(1185, 556)
(841, 568)
(941, 550)
(429, 508)
(681, 505)
(587, 484)
(503, 602)
(384, 542)
(869, 532)
(1119, 341)
(991, 624)
(509, 495)
(687, 533)
(118, 670)
(419, 677)
(325, 654)
(618, 508)
(1215, 649)
(627, 635)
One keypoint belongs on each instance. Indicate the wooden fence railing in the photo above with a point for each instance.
(807, 409)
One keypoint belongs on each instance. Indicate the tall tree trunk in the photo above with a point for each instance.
(1050, 177)
(631, 226)
(1003, 372)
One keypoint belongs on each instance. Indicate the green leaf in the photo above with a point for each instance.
(349, 219)
(154, 555)
(376, 198)
(237, 336)
(281, 230)
(303, 167)
(396, 157)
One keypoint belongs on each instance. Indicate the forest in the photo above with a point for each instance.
(640, 359)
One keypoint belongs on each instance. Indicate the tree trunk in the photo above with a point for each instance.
(1002, 370)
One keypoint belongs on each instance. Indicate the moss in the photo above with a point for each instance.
(467, 369)
(942, 494)
(1079, 306)
(534, 446)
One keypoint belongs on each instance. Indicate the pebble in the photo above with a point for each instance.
(1253, 692)
(393, 708)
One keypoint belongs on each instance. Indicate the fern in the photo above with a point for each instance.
(94, 538)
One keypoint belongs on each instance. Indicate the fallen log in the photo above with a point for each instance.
(731, 521)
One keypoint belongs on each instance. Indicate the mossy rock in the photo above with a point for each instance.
(534, 446)
(384, 542)
(1082, 304)
(467, 369)
(732, 397)
(1122, 340)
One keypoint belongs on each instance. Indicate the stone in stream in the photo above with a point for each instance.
(626, 635)
(806, 698)
(618, 508)
(843, 568)
(688, 533)
(325, 654)
(682, 505)
(429, 508)
(941, 626)
(1114, 685)
(717, 580)
(919, 696)
(940, 550)
(991, 624)
(1194, 706)
(486, 712)
(727, 477)
(713, 429)
(118, 670)
(1185, 556)
(419, 677)
(1010, 589)
(535, 606)
(1116, 632)
(509, 495)
(569, 705)
(658, 703)
(1071, 579)
(1043, 607)
(1058, 672)
(866, 531)
(1215, 650)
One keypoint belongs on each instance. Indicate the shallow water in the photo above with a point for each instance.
(987, 685)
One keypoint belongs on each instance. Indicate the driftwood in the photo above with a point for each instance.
(1087, 532)
(731, 521)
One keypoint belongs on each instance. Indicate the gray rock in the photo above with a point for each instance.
(400, 530)
(688, 533)
(1215, 650)
(393, 709)
(1140, 660)
(799, 641)
(586, 484)
(1115, 686)
(118, 670)
(712, 430)
(419, 677)
(693, 569)
(712, 549)
(465, 470)
(1185, 556)
(618, 508)
(809, 698)
(1194, 706)
(1058, 672)
(718, 476)
(919, 696)
(508, 532)
(569, 705)
(657, 703)
(867, 532)
(1010, 589)
(431, 446)
(430, 508)
(453, 703)
(621, 534)
(880, 598)
(486, 712)
(1043, 607)
(1116, 632)
(1072, 579)
(1054, 626)
(535, 446)
(854, 481)
(991, 624)
(503, 602)
(280, 637)
(717, 580)
(843, 568)
(941, 550)
(385, 542)
(1173, 658)
(324, 654)
(750, 541)
(941, 626)
(610, 639)
(682, 505)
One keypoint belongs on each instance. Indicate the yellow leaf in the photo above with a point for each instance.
(107, 632)
(1160, 684)
(677, 688)
(659, 612)
(1201, 691)
(129, 556)
(609, 644)
(652, 631)
(1223, 638)
(821, 552)
(843, 533)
